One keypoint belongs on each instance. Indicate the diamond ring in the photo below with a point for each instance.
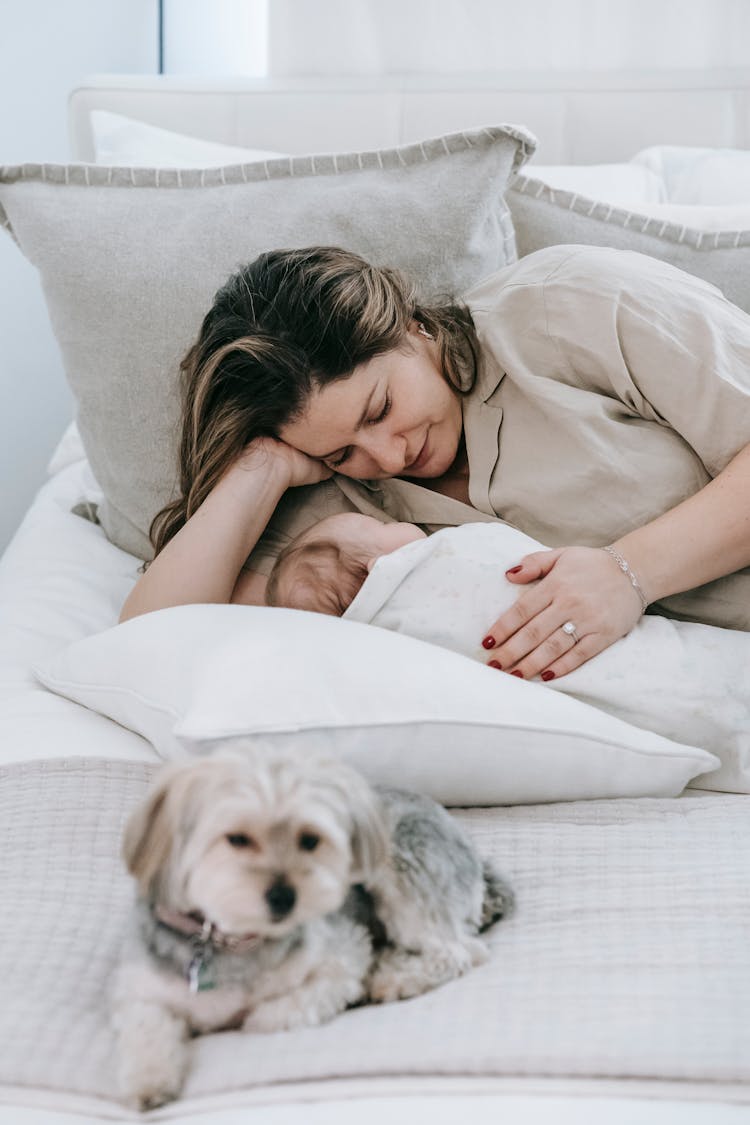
(570, 629)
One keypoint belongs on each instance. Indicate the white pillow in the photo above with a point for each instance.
(403, 711)
(620, 184)
(704, 176)
(124, 141)
(686, 681)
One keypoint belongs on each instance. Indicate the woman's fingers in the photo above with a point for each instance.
(300, 468)
(580, 589)
(515, 622)
(558, 655)
(534, 566)
(537, 645)
(576, 655)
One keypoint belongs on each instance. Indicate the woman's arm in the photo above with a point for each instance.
(250, 588)
(675, 353)
(703, 538)
(203, 560)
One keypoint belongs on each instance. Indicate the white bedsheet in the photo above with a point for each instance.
(52, 563)
(46, 576)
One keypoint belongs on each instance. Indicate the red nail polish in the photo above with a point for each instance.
(515, 672)
(548, 675)
(488, 642)
(495, 664)
(514, 570)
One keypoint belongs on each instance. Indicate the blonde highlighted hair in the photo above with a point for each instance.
(285, 325)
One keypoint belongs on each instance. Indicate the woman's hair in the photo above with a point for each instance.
(288, 323)
(319, 576)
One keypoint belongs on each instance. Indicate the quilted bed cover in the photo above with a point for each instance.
(619, 991)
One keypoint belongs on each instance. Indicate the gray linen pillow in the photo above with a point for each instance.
(130, 260)
(546, 216)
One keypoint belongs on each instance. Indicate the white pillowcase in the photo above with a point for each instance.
(403, 711)
(686, 681)
(703, 176)
(122, 140)
(620, 184)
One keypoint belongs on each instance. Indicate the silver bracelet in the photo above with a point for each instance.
(625, 568)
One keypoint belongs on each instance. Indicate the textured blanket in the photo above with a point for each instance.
(628, 955)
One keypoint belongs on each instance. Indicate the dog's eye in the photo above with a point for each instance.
(240, 840)
(308, 841)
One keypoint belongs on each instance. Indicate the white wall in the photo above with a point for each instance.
(46, 47)
(418, 36)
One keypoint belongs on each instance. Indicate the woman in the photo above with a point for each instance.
(591, 397)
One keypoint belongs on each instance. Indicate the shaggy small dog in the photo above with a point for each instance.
(276, 890)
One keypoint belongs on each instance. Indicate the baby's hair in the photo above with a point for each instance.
(317, 576)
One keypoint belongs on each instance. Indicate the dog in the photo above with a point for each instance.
(274, 890)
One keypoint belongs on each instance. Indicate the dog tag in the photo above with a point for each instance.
(200, 977)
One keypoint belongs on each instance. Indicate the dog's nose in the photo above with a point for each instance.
(281, 897)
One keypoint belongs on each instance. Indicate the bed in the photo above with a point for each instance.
(618, 991)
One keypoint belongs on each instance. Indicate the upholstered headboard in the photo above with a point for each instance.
(579, 118)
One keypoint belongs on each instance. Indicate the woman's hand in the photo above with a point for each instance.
(301, 468)
(578, 585)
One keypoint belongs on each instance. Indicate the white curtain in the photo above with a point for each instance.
(423, 36)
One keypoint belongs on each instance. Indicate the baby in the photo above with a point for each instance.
(323, 568)
(680, 679)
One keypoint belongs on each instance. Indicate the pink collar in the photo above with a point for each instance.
(195, 925)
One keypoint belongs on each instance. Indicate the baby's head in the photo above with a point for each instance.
(323, 568)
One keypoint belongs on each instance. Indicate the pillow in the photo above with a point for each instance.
(545, 216)
(700, 217)
(123, 140)
(130, 260)
(403, 711)
(699, 175)
(614, 183)
(683, 680)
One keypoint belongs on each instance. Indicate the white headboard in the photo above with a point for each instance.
(579, 118)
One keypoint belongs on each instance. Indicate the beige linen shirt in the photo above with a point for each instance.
(611, 387)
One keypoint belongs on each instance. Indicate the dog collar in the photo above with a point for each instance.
(206, 938)
(196, 926)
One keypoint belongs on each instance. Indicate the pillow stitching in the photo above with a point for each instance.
(102, 175)
(671, 231)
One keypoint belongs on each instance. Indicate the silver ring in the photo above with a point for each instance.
(570, 629)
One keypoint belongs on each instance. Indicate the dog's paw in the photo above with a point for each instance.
(152, 1055)
(152, 1099)
(148, 1087)
(387, 985)
(400, 974)
(277, 1015)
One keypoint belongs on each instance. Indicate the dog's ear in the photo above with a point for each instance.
(147, 839)
(369, 832)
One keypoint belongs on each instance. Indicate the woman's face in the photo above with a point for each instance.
(395, 415)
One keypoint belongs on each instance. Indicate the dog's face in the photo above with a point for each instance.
(258, 843)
